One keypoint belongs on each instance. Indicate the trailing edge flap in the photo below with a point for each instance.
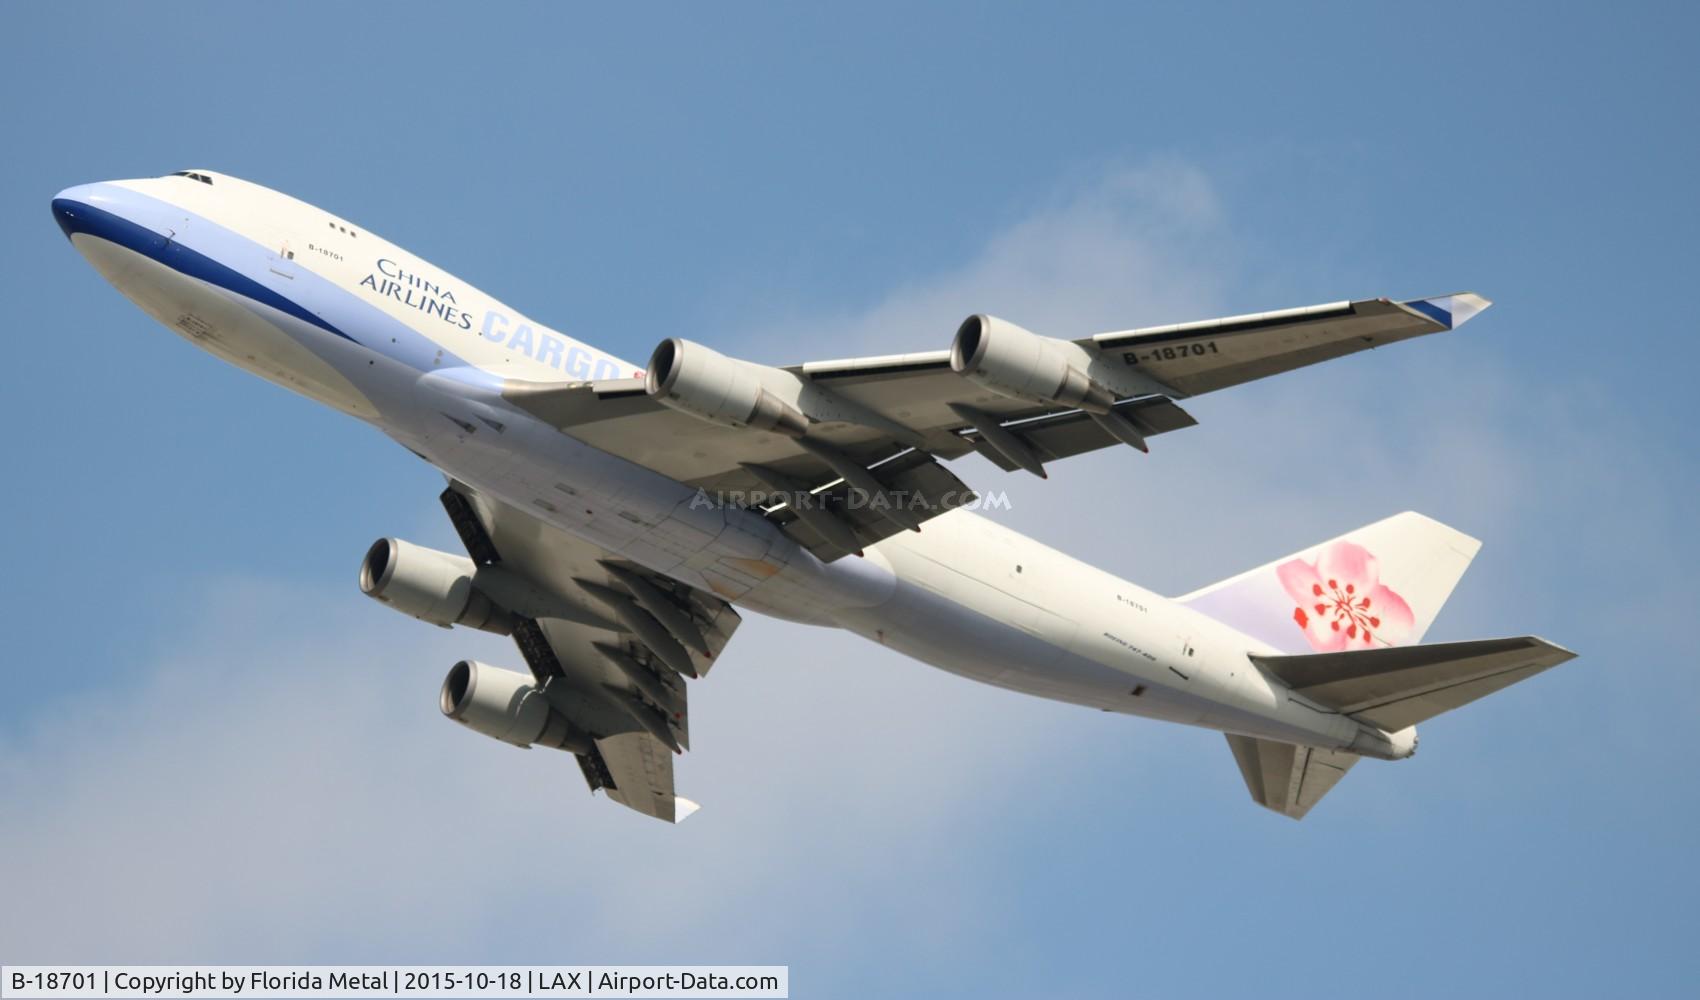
(922, 486)
(1398, 686)
(1286, 778)
(634, 767)
(642, 770)
(620, 418)
(1063, 435)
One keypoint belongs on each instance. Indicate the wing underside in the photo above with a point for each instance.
(601, 639)
(883, 426)
(1195, 358)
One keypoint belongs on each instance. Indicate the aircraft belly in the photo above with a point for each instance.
(979, 632)
(210, 319)
(199, 314)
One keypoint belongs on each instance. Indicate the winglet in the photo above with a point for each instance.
(683, 808)
(1450, 311)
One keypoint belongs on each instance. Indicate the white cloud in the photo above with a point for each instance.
(1149, 243)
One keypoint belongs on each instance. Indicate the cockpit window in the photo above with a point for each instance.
(192, 175)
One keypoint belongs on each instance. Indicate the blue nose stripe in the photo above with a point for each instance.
(65, 213)
(80, 217)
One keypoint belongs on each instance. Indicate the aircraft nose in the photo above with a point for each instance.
(71, 207)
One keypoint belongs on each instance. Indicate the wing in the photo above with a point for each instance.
(1194, 358)
(750, 468)
(610, 645)
(844, 453)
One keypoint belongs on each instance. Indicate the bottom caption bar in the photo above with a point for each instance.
(376, 981)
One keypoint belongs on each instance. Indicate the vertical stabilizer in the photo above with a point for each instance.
(1378, 586)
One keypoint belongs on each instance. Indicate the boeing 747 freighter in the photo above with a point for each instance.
(617, 517)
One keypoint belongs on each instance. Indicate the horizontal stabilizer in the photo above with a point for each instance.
(1286, 778)
(1398, 686)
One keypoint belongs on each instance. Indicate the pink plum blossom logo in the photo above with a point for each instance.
(1342, 603)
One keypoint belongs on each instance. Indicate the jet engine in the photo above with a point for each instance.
(506, 705)
(708, 385)
(429, 585)
(998, 355)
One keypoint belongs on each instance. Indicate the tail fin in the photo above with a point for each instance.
(1288, 779)
(1385, 687)
(1380, 585)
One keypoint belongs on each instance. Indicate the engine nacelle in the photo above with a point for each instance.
(506, 705)
(1010, 361)
(429, 585)
(708, 385)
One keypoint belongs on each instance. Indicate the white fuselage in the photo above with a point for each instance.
(300, 296)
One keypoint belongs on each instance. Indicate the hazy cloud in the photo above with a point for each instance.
(1128, 247)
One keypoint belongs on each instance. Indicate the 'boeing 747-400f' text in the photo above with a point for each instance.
(616, 517)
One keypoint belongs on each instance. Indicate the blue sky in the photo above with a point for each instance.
(213, 749)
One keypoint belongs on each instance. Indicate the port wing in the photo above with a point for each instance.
(611, 646)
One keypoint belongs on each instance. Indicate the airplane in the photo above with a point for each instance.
(616, 519)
